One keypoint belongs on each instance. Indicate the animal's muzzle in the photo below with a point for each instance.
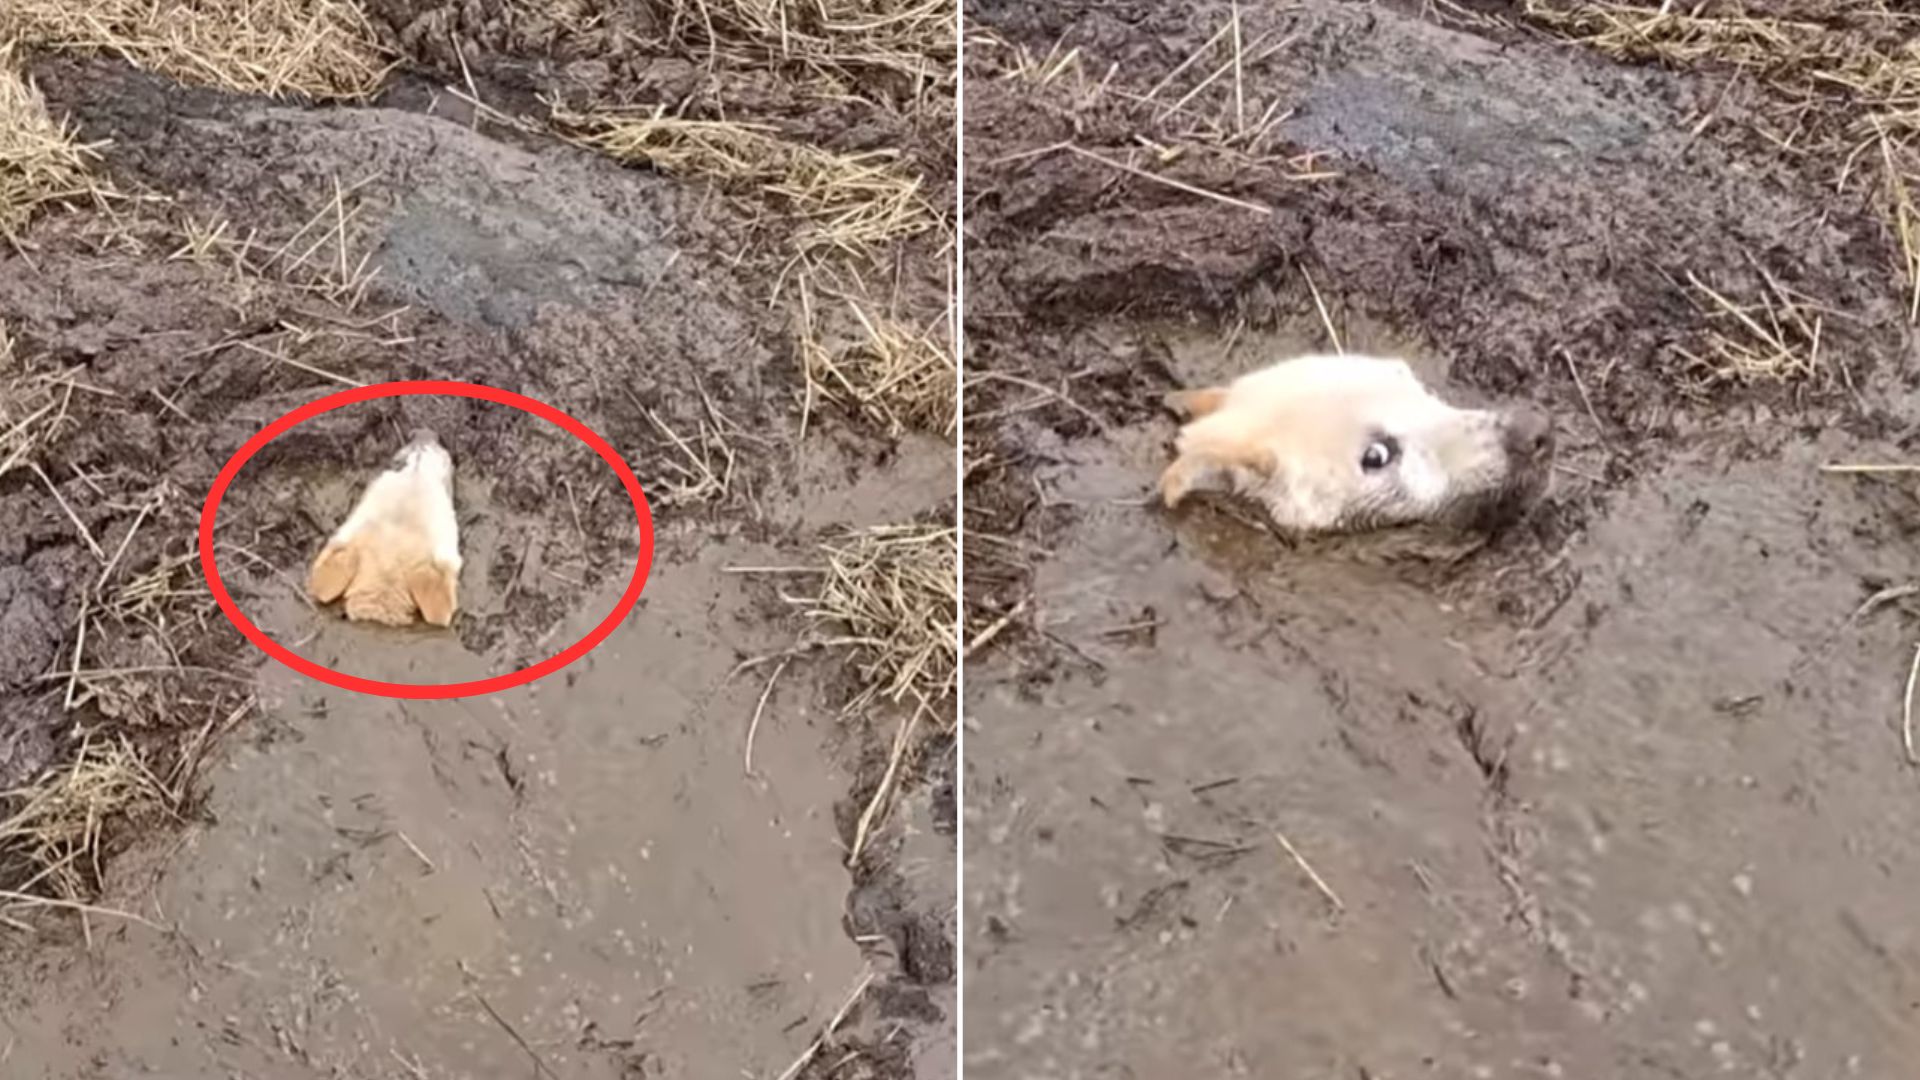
(1526, 434)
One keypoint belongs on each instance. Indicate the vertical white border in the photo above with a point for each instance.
(959, 339)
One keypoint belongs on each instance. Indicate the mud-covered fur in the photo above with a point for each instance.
(1348, 443)
(398, 554)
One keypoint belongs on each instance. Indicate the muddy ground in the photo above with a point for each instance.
(576, 877)
(1621, 794)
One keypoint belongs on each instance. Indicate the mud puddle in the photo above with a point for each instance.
(1620, 794)
(584, 859)
(579, 873)
(1581, 847)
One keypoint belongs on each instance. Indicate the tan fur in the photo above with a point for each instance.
(433, 590)
(1194, 404)
(332, 572)
(386, 577)
(397, 557)
(1293, 436)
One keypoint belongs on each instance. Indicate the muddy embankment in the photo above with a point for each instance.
(1620, 795)
(578, 877)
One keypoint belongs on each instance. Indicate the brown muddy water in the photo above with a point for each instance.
(573, 879)
(1619, 795)
(584, 858)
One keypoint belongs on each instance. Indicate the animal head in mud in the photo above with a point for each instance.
(398, 554)
(1353, 443)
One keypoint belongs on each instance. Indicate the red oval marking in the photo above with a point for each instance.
(419, 691)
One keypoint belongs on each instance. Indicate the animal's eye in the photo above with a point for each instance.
(1379, 454)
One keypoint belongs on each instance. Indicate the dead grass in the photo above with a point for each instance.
(320, 49)
(136, 676)
(889, 598)
(699, 467)
(844, 42)
(1773, 339)
(897, 376)
(327, 255)
(42, 160)
(33, 408)
(850, 203)
(55, 827)
(889, 595)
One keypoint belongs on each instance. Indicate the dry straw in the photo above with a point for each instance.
(1776, 339)
(853, 203)
(41, 160)
(897, 377)
(322, 49)
(839, 40)
(890, 593)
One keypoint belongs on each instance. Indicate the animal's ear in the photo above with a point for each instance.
(1213, 468)
(434, 587)
(1194, 404)
(332, 572)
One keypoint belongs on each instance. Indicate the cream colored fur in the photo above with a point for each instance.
(397, 556)
(1295, 436)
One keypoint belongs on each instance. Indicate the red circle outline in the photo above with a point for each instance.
(426, 691)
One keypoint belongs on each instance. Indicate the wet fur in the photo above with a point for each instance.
(397, 557)
(1291, 437)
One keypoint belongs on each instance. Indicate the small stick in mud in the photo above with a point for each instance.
(1581, 385)
(1906, 717)
(1867, 468)
(1882, 598)
(1239, 77)
(874, 805)
(1313, 875)
(31, 900)
(1166, 180)
(539, 1063)
(1052, 394)
(85, 534)
(826, 1033)
(417, 853)
(753, 728)
(1320, 305)
(980, 640)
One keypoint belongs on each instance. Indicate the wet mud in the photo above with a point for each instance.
(577, 878)
(1620, 793)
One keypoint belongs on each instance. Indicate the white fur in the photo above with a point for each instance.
(1292, 435)
(418, 496)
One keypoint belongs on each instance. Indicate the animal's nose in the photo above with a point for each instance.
(1528, 434)
(424, 436)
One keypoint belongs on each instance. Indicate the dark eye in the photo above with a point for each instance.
(1379, 454)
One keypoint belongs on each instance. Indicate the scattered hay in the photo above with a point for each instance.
(1776, 340)
(33, 409)
(1682, 38)
(41, 159)
(891, 594)
(896, 376)
(1041, 70)
(320, 49)
(837, 40)
(852, 203)
(327, 255)
(704, 469)
(51, 831)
